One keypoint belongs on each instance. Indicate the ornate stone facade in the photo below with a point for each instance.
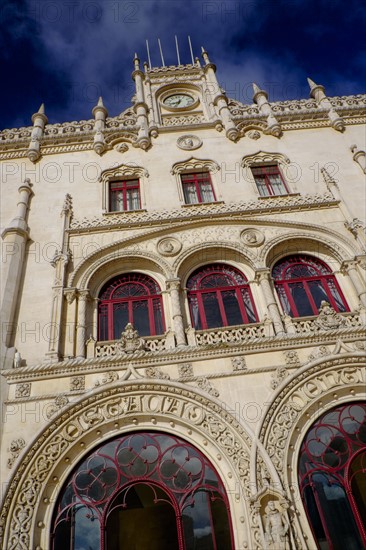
(243, 391)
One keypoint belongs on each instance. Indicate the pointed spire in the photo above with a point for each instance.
(100, 108)
(41, 110)
(205, 56)
(100, 102)
(256, 88)
(41, 113)
(311, 83)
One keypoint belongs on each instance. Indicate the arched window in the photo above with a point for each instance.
(219, 296)
(332, 473)
(143, 490)
(303, 282)
(131, 298)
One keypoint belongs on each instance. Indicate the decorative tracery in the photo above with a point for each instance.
(303, 282)
(130, 298)
(137, 477)
(219, 296)
(332, 472)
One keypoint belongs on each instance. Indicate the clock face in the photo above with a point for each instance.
(179, 101)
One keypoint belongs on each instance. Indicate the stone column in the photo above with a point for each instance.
(81, 326)
(263, 278)
(70, 295)
(349, 267)
(140, 107)
(15, 237)
(173, 287)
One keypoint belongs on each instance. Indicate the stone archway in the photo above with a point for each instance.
(299, 401)
(168, 407)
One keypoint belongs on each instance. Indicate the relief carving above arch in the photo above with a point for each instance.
(122, 408)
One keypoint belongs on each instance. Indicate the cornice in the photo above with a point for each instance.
(270, 205)
(145, 359)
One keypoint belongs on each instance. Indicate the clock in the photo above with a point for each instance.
(179, 101)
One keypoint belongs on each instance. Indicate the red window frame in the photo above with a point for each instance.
(283, 279)
(328, 450)
(197, 179)
(262, 176)
(236, 282)
(147, 292)
(123, 187)
(112, 469)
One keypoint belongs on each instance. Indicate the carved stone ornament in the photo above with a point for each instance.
(169, 246)
(328, 318)
(292, 358)
(130, 340)
(121, 147)
(17, 360)
(253, 134)
(59, 403)
(77, 383)
(155, 372)
(205, 385)
(15, 447)
(23, 390)
(185, 371)
(238, 363)
(108, 378)
(252, 237)
(189, 142)
(277, 377)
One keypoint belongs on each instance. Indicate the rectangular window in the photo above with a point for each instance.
(269, 181)
(124, 196)
(197, 188)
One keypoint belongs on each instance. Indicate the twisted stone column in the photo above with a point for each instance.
(81, 326)
(263, 278)
(173, 287)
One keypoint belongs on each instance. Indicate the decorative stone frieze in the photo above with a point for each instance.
(278, 377)
(60, 402)
(206, 386)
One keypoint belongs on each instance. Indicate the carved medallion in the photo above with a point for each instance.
(252, 237)
(189, 142)
(169, 246)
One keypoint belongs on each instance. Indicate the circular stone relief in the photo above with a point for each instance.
(189, 142)
(252, 237)
(169, 246)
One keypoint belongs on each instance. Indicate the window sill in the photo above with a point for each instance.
(279, 196)
(124, 212)
(201, 204)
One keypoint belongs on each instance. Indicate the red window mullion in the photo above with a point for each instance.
(243, 311)
(110, 322)
(221, 307)
(290, 298)
(309, 295)
(150, 309)
(268, 184)
(201, 310)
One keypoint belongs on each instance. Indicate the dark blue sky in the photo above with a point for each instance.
(66, 53)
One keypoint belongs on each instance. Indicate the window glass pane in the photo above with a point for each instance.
(249, 308)
(190, 194)
(158, 317)
(301, 300)
(195, 314)
(120, 319)
(285, 302)
(132, 199)
(197, 524)
(142, 518)
(232, 309)
(262, 188)
(277, 185)
(86, 530)
(318, 292)
(357, 475)
(220, 522)
(206, 192)
(116, 201)
(141, 317)
(212, 310)
(337, 298)
(315, 519)
(103, 322)
(337, 513)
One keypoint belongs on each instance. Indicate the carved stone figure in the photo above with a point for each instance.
(276, 528)
(130, 340)
(328, 318)
(252, 237)
(17, 360)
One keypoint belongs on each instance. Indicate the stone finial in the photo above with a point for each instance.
(39, 121)
(40, 114)
(259, 94)
(100, 108)
(100, 114)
